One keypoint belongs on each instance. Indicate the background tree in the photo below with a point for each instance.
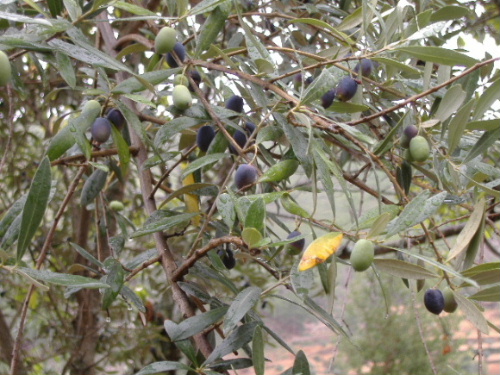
(148, 198)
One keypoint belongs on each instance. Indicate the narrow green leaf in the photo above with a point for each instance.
(187, 189)
(134, 84)
(31, 280)
(380, 224)
(73, 8)
(66, 69)
(484, 274)
(419, 209)
(448, 13)
(114, 278)
(323, 25)
(88, 55)
(14, 211)
(302, 282)
(301, 364)
(368, 219)
(132, 8)
(258, 357)
(131, 297)
(55, 7)
(325, 176)
(468, 231)
(474, 245)
(244, 301)
(256, 215)
(23, 19)
(450, 102)
(251, 236)
(201, 162)
(293, 207)
(225, 207)
(280, 171)
(484, 125)
(487, 98)
(347, 107)
(491, 294)
(164, 224)
(206, 6)
(439, 55)
(64, 279)
(34, 208)
(403, 269)
(194, 325)
(239, 337)
(211, 28)
(391, 63)
(123, 150)
(93, 186)
(162, 367)
(84, 253)
(457, 126)
(473, 314)
(298, 142)
(352, 20)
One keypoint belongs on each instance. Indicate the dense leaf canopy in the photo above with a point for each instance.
(147, 199)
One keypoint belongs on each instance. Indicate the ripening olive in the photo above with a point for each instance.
(227, 258)
(179, 51)
(295, 247)
(246, 175)
(409, 133)
(240, 138)
(196, 77)
(362, 255)
(366, 67)
(181, 97)
(419, 148)
(165, 40)
(434, 301)
(5, 69)
(235, 103)
(205, 136)
(101, 130)
(116, 117)
(346, 89)
(450, 305)
(250, 127)
(327, 99)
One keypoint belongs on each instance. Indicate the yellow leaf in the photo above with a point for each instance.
(320, 250)
(192, 201)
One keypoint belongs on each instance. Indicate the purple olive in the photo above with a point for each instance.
(101, 130)
(235, 103)
(246, 175)
(346, 89)
(180, 53)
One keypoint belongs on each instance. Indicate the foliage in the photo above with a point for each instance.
(90, 287)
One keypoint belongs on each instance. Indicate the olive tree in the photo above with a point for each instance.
(170, 167)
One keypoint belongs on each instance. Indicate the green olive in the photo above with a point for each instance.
(180, 79)
(5, 69)
(181, 97)
(165, 40)
(362, 255)
(116, 206)
(450, 305)
(419, 148)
